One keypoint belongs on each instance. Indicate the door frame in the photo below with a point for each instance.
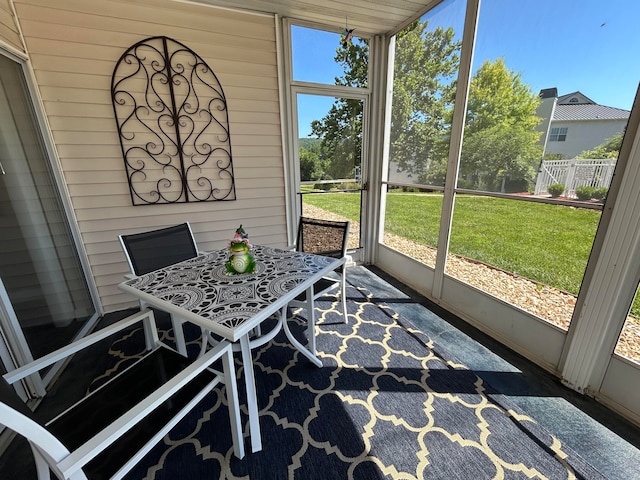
(295, 154)
(289, 90)
(13, 338)
(14, 349)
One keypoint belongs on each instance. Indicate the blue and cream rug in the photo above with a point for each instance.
(387, 404)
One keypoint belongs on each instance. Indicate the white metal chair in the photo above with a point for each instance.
(106, 433)
(154, 249)
(329, 238)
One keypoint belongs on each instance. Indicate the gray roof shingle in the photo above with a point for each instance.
(589, 112)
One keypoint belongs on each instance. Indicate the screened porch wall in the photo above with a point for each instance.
(74, 45)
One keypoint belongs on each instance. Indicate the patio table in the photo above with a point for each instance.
(201, 291)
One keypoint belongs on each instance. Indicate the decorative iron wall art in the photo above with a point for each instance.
(173, 124)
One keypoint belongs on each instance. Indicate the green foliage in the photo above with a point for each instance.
(499, 97)
(349, 186)
(585, 192)
(610, 148)
(499, 155)
(311, 144)
(499, 152)
(464, 183)
(340, 131)
(556, 189)
(600, 193)
(554, 156)
(310, 166)
(436, 173)
(425, 69)
(311, 163)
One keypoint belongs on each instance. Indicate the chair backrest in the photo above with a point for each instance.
(149, 251)
(323, 237)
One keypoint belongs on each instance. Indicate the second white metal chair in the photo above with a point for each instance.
(155, 249)
(328, 238)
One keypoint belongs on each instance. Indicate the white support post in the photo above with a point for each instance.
(611, 284)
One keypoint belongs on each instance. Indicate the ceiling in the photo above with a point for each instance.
(368, 17)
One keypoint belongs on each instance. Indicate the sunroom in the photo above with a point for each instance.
(420, 122)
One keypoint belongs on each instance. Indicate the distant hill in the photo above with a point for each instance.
(309, 143)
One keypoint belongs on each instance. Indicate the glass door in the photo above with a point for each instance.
(330, 97)
(330, 159)
(44, 297)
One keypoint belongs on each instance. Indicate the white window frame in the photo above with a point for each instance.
(558, 134)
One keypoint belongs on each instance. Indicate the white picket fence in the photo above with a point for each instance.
(575, 173)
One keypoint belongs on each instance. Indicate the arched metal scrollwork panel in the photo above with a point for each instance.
(173, 125)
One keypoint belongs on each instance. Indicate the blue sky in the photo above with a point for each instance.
(588, 46)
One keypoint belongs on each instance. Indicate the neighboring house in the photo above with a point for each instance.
(573, 123)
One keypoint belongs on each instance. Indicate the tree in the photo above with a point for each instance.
(311, 167)
(499, 151)
(341, 134)
(341, 129)
(424, 88)
(505, 159)
(425, 68)
(610, 148)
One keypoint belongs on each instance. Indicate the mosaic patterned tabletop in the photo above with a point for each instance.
(203, 286)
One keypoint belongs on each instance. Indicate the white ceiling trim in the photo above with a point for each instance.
(368, 17)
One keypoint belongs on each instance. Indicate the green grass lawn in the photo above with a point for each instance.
(546, 243)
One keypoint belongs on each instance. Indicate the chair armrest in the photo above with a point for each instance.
(129, 414)
(92, 447)
(70, 349)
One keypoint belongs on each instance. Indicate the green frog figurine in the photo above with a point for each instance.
(240, 259)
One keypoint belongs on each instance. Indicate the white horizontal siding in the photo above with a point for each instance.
(74, 46)
(8, 29)
(584, 135)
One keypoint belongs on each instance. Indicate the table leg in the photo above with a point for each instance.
(311, 322)
(252, 398)
(310, 352)
(178, 332)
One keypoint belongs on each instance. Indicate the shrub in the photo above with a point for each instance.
(584, 192)
(600, 193)
(349, 186)
(555, 189)
(516, 185)
(464, 183)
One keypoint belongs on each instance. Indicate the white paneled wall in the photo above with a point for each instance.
(74, 46)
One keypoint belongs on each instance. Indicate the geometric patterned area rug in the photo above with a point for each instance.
(386, 404)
